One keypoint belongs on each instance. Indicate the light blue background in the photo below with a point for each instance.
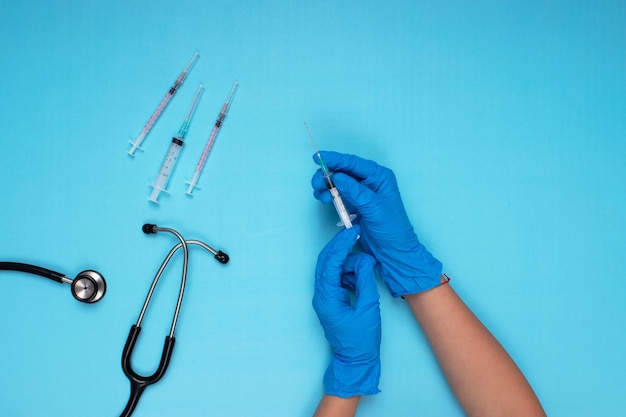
(505, 123)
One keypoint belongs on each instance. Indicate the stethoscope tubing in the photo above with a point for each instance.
(138, 383)
(158, 275)
(36, 270)
(155, 281)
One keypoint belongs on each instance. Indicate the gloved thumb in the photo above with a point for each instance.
(358, 274)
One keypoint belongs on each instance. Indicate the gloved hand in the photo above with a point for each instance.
(353, 331)
(371, 190)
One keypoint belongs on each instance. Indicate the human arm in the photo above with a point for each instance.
(351, 328)
(483, 377)
(334, 406)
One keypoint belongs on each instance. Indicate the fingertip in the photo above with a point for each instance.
(323, 196)
(354, 232)
(330, 157)
(317, 181)
(341, 244)
(367, 260)
(367, 290)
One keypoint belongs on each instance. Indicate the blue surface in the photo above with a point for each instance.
(505, 123)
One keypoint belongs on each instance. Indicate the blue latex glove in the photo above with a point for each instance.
(386, 233)
(353, 331)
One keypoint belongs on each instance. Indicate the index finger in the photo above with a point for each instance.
(353, 165)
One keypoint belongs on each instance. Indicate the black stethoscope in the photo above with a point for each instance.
(138, 383)
(89, 287)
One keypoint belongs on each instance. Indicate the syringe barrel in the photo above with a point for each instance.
(327, 180)
(344, 216)
(207, 149)
(172, 155)
(168, 163)
(155, 116)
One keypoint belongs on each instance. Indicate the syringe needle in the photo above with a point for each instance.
(183, 75)
(311, 137)
(345, 217)
(157, 113)
(325, 169)
(185, 126)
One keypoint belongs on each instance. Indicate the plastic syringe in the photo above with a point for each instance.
(146, 129)
(174, 150)
(211, 140)
(345, 217)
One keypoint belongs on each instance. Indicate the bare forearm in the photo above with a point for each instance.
(481, 374)
(332, 406)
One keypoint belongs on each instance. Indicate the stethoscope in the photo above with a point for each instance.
(138, 383)
(90, 286)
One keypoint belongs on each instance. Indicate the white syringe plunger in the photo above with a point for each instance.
(154, 197)
(193, 182)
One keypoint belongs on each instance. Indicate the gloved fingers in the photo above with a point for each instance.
(331, 259)
(375, 177)
(358, 274)
(348, 276)
(355, 166)
(353, 192)
(364, 281)
(320, 191)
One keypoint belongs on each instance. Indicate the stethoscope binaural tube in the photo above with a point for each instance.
(138, 383)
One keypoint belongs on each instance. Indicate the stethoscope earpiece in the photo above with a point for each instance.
(149, 229)
(222, 257)
(89, 286)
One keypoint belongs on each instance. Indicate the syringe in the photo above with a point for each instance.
(174, 150)
(345, 217)
(211, 140)
(146, 129)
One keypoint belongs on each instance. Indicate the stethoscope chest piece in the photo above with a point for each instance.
(89, 286)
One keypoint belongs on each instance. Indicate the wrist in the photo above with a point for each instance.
(347, 378)
(410, 271)
(331, 405)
